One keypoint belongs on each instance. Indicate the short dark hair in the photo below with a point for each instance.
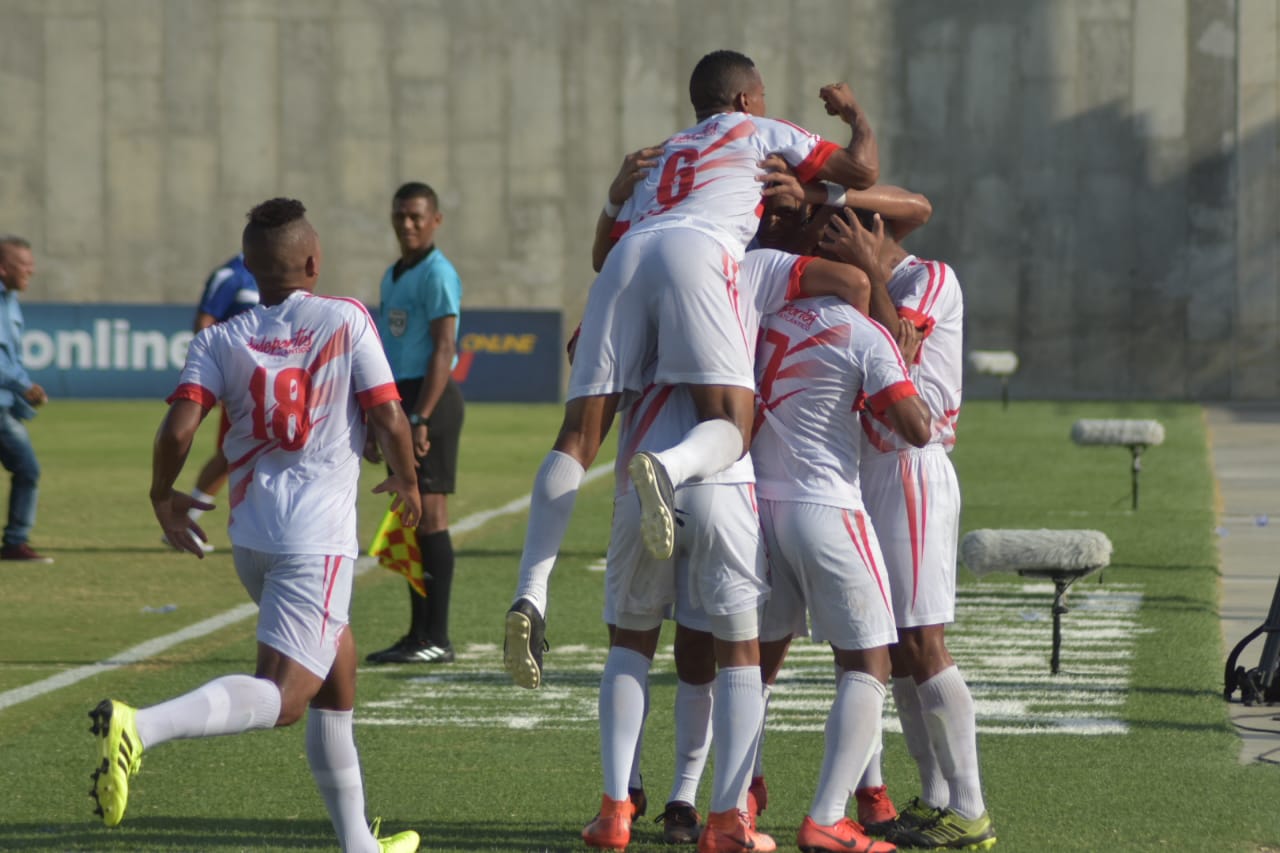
(7, 240)
(276, 213)
(417, 189)
(717, 78)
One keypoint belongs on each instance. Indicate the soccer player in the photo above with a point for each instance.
(299, 377)
(722, 564)
(913, 499)
(421, 302)
(667, 289)
(229, 290)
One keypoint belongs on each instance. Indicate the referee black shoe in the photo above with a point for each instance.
(524, 644)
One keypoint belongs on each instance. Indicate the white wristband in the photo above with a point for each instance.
(611, 210)
(835, 194)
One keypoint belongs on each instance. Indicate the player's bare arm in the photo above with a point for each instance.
(444, 334)
(856, 166)
(902, 210)
(633, 169)
(846, 239)
(390, 430)
(169, 454)
(910, 419)
(832, 278)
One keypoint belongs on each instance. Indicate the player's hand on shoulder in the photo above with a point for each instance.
(909, 339)
(780, 182)
(632, 171)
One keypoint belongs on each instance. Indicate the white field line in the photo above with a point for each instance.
(151, 648)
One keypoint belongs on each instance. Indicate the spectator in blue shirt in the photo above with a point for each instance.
(18, 398)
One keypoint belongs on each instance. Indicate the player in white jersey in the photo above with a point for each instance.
(715, 581)
(667, 291)
(914, 502)
(299, 376)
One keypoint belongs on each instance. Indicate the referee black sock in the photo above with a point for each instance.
(419, 618)
(437, 560)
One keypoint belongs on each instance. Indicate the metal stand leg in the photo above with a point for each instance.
(1004, 392)
(1060, 586)
(1137, 469)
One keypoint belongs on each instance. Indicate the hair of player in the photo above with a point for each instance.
(417, 189)
(275, 213)
(717, 79)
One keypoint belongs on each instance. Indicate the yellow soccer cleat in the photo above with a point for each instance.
(401, 842)
(121, 756)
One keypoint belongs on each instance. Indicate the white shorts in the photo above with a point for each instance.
(826, 559)
(717, 540)
(303, 602)
(666, 298)
(913, 499)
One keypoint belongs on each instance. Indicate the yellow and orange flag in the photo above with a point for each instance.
(396, 548)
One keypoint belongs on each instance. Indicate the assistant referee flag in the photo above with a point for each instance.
(396, 548)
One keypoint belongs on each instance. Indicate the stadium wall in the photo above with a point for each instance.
(1105, 173)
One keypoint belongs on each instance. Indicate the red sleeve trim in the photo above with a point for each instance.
(573, 342)
(378, 395)
(923, 322)
(194, 393)
(886, 397)
(818, 157)
(619, 228)
(797, 273)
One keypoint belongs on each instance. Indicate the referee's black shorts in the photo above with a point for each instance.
(438, 470)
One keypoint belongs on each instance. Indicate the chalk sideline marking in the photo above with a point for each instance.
(150, 648)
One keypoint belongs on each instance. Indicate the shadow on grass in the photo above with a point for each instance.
(514, 553)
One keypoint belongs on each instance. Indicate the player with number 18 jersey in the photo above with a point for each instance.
(295, 442)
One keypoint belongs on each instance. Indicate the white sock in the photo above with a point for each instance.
(225, 706)
(736, 711)
(708, 448)
(622, 690)
(873, 777)
(853, 729)
(693, 739)
(948, 711)
(335, 765)
(636, 780)
(194, 513)
(766, 691)
(555, 488)
(933, 785)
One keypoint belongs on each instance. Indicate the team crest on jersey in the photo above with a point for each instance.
(397, 321)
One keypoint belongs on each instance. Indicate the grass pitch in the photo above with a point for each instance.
(1128, 749)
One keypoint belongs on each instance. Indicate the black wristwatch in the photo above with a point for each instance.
(416, 419)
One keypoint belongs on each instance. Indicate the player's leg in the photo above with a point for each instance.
(695, 675)
(18, 457)
(587, 421)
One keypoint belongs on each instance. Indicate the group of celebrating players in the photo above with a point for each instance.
(788, 379)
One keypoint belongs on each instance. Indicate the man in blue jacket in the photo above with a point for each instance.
(18, 398)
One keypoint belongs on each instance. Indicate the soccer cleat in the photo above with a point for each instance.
(121, 756)
(639, 801)
(401, 842)
(525, 642)
(949, 831)
(380, 655)
(914, 814)
(731, 831)
(657, 504)
(875, 810)
(23, 553)
(610, 829)
(417, 652)
(844, 834)
(681, 823)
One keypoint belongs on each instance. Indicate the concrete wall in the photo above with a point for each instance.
(1105, 173)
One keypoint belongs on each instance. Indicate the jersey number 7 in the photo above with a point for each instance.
(286, 417)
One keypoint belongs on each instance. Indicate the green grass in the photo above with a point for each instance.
(476, 764)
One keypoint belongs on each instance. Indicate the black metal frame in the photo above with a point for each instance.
(1260, 684)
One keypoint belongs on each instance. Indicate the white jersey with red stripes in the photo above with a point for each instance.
(928, 294)
(294, 378)
(659, 418)
(706, 177)
(818, 363)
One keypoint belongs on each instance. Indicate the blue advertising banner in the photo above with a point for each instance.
(137, 351)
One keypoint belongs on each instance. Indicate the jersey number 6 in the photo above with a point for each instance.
(290, 421)
(677, 177)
